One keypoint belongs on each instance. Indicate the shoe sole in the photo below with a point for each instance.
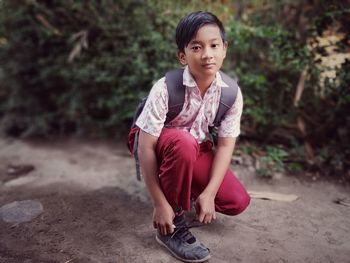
(178, 257)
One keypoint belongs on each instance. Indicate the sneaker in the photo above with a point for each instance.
(182, 244)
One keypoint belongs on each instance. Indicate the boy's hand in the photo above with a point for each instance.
(163, 219)
(205, 208)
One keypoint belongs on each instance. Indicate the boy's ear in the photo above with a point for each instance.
(182, 57)
(225, 48)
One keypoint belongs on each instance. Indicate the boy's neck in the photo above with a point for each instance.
(204, 84)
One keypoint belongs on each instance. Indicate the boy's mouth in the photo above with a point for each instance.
(208, 65)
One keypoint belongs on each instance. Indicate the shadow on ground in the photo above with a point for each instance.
(96, 212)
(77, 226)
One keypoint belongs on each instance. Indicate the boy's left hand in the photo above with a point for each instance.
(205, 208)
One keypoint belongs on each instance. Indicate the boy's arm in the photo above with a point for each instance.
(205, 202)
(227, 133)
(163, 213)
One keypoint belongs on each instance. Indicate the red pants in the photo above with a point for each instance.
(184, 172)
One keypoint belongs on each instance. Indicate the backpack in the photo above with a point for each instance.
(176, 91)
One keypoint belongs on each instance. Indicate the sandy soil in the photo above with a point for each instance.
(96, 211)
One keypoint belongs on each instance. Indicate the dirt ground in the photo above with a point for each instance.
(96, 211)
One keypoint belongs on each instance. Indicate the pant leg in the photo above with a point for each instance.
(184, 170)
(177, 152)
(231, 198)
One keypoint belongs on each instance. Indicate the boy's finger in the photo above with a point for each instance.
(201, 217)
(207, 219)
(170, 229)
(164, 231)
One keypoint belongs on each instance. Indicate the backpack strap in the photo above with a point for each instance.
(136, 154)
(138, 111)
(176, 91)
(227, 98)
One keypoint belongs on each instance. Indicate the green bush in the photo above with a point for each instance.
(272, 162)
(80, 67)
(269, 54)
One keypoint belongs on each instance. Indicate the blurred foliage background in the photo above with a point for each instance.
(78, 67)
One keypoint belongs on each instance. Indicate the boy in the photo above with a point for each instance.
(177, 158)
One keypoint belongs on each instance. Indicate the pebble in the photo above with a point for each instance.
(21, 211)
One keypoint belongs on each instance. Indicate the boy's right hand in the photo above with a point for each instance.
(163, 219)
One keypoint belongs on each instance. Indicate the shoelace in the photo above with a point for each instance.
(183, 230)
(194, 223)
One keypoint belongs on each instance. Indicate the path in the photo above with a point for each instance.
(96, 211)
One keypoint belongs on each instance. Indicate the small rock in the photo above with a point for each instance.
(21, 211)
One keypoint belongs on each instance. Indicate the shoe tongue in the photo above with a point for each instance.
(187, 236)
(191, 240)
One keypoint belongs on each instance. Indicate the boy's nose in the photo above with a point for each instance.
(207, 53)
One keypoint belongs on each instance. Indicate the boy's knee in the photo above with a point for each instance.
(237, 206)
(243, 204)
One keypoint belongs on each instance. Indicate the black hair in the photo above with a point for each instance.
(190, 24)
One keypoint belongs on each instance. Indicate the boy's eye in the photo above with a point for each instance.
(196, 48)
(215, 45)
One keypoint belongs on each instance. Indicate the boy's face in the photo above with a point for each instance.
(205, 52)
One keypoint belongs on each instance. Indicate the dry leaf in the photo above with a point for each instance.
(81, 42)
(272, 196)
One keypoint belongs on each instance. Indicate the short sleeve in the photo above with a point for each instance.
(231, 124)
(153, 115)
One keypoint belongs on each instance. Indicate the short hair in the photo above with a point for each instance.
(190, 24)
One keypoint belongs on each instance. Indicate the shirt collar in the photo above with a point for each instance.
(189, 81)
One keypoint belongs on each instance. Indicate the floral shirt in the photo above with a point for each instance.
(197, 113)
